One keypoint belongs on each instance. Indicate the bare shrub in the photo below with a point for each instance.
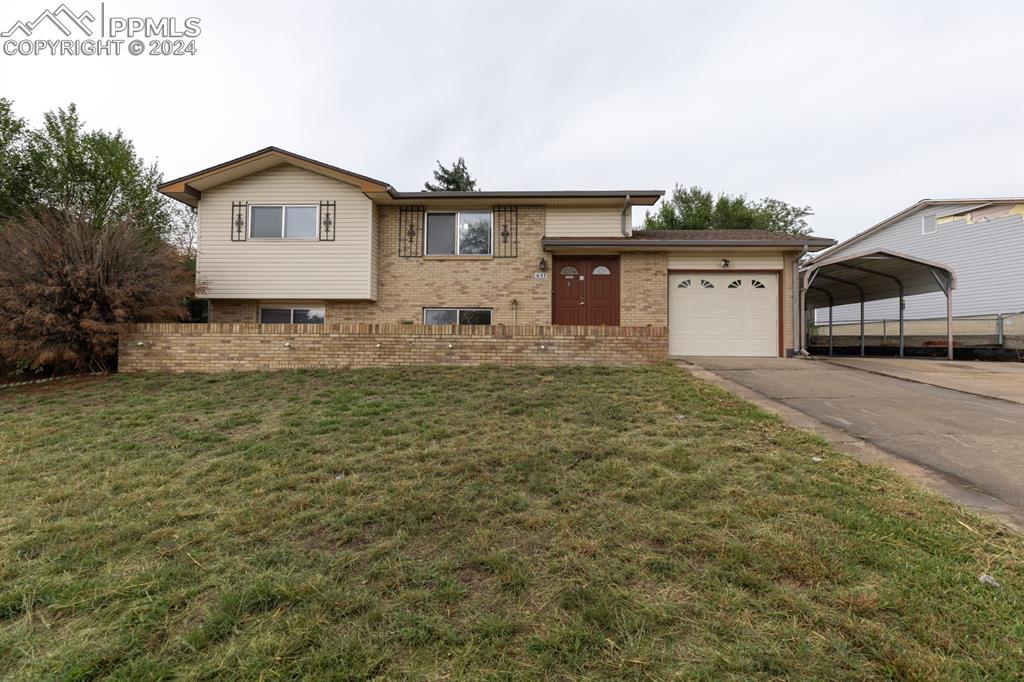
(65, 287)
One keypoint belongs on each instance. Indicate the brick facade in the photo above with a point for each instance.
(788, 260)
(234, 347)
(643, 289)
(507, 286)
(234, 311)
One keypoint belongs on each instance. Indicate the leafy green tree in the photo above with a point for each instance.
(64, 168)
(454, 179)
(14, 186)
(693, 208)
(93, 173)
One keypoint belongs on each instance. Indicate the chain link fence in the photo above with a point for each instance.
(1005, 330)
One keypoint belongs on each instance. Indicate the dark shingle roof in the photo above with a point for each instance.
(653, 240)
(726, 235)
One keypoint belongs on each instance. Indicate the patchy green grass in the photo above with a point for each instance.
(473, 523)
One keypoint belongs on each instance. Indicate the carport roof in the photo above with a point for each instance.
(874, 276)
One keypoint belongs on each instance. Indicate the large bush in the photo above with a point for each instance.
(66, 287)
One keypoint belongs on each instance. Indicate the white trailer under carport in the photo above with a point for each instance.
(874, 276)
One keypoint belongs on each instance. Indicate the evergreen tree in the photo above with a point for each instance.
(454, 179)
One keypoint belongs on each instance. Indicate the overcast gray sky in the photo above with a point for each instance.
(857, 109)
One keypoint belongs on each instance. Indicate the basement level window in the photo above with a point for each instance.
(283, 222)
(291, 315)
(478, 316)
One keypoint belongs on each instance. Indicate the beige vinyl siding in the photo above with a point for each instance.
(583, 222)
(712, 260)
(286, 269)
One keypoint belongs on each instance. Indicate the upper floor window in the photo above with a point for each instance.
(928, 224)
(282, 222)
(463, 233)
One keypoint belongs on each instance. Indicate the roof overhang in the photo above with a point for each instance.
(873, 276)
(568, 198)
(189, 188)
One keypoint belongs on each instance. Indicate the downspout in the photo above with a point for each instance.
(798, 319)
(627, 222)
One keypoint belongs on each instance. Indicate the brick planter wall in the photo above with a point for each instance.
(236, 347)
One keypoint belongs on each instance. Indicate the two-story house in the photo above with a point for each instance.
(287, 239)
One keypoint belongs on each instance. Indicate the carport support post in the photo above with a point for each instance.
(862, 323)
(901, 320)
(830, 326)
(949, 317)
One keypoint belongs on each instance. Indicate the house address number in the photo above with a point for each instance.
(540, 275)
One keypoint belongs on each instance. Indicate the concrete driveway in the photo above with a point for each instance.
(1003, 380)
(971, 441)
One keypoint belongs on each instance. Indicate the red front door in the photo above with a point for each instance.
(585, 291)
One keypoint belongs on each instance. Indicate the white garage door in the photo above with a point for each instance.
(723, 314)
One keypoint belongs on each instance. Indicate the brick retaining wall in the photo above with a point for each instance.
(235, 347)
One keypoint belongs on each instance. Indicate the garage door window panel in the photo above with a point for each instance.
(724, 314)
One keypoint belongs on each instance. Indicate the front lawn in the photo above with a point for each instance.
(473, 523)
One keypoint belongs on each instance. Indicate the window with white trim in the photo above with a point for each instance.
(292, 315)
(928, 224)
(279, 221)
(461, 233)
(479, 316)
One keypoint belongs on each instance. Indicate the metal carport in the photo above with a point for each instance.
(828, 282)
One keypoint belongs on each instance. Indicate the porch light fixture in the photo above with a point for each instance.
(725, 262)
(542, 265)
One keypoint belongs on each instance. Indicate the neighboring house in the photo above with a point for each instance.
(286, 239)
(981, 240)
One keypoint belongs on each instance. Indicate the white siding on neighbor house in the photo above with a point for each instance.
(283, 268)
(583, 222)
(988, 259)
(712, 260)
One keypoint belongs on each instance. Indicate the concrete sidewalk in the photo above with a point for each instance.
(1002, 380)
(971, 448)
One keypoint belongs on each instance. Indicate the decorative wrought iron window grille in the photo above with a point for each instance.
(410, 231)
(506, 232)
(239, 221)
(328, 226)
